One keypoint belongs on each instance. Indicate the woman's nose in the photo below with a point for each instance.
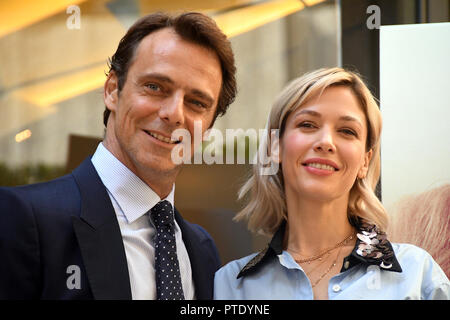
(325, 142)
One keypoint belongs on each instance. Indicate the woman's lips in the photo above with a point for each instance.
(320, 172)
(320, 166)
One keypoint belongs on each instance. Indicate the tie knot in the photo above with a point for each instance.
(162, 213)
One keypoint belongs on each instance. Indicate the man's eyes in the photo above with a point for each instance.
(198, 103)
(153, 86)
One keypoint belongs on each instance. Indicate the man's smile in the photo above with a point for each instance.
(161, 137)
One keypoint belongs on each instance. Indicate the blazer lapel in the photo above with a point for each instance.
(202, 269)
(99, 237)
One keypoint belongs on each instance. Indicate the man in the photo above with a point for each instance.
(97, 233)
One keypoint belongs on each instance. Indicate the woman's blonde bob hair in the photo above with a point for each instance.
(266, 207)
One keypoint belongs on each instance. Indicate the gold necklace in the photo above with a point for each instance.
(321, 254)
(333, 264)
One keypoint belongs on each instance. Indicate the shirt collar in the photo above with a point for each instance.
(134, 197)
(371, 248)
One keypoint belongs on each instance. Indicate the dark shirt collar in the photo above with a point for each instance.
(371, 248)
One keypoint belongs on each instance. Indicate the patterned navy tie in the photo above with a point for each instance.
(167, 269)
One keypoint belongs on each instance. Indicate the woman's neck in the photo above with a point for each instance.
(314, 226)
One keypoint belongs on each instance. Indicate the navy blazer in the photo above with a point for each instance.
(52, 231)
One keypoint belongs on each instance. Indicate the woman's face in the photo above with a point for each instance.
(322, 150)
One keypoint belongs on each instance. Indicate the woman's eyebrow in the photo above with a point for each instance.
(306, 111)
(352, 119)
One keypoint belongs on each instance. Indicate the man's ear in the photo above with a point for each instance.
(206, 134)
(111, 91)
(363, 171)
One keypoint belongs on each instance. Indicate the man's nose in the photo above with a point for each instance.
(172, 109)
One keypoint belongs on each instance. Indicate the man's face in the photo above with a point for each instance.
(170, 84)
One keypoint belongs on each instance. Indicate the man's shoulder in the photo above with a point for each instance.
(42, 191)
(56, 198)
(198, 230)
(198, 238)
(48, 193)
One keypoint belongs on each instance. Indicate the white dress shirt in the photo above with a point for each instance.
(132, 199)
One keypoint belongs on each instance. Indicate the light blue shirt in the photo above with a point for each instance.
(278, 276)
(132, 199)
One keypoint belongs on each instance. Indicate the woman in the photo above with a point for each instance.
(327, 224)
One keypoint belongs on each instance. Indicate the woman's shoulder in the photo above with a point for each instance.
(232, 268)
(226, 282)
(407, 251)
(402, 248)
(412, 256)
(417, 263)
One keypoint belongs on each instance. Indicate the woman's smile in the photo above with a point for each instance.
(321, 167)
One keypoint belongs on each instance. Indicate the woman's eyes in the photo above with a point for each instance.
(350, 132)
(306, 124)
(311, 125)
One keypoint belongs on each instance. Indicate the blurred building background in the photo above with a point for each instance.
(53, 59)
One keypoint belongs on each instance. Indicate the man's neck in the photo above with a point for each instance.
(160, 182)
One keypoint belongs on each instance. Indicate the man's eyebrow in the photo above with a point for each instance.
(202, 95)
(157, 76)
(196, 92)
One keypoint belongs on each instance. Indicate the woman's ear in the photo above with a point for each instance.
(363, 170)
(275, 148)
(110, 92)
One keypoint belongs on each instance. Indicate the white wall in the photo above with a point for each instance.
(415, 103)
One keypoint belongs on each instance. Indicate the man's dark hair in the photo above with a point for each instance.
(192, 26)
